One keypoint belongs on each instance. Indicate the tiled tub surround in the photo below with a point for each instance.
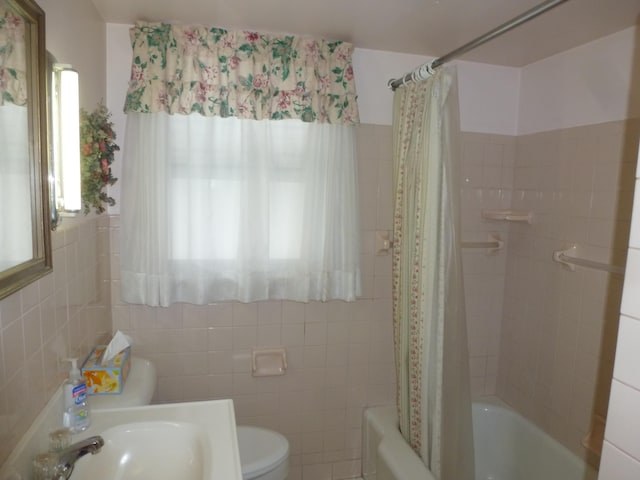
(486, 181)
(60, 315)
(559, 327)
(541, 337)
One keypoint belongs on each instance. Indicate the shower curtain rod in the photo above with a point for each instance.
(426, 70)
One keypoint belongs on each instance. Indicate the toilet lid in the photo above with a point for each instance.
(260, 450)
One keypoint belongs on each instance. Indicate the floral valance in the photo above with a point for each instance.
(13, 78)
(214, 72)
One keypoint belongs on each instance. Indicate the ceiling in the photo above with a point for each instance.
(424, 27)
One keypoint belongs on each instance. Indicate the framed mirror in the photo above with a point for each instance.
(25, 235)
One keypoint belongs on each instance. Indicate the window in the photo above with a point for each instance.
(223, 209)
(239, 168)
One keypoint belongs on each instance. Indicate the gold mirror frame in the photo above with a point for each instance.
(17, 277)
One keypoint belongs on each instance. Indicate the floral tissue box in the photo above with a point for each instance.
(106, 379)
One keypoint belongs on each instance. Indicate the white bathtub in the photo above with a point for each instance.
(507, 447)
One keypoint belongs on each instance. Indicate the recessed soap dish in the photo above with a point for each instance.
(268, 362)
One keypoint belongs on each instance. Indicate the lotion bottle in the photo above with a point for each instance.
(76, 415)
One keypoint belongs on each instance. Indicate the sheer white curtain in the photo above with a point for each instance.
(228, 209)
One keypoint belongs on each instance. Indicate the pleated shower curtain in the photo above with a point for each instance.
(434, 405)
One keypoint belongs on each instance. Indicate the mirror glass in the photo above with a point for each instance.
(25, 244)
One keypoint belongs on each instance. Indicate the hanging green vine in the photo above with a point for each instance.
(97, 152)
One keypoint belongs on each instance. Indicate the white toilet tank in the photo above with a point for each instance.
(138, 388)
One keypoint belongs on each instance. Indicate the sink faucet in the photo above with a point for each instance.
(70, 455)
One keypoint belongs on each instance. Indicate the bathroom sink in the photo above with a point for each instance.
(186, 441)
(161, 450)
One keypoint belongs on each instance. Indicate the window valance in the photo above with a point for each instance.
(13, 79)
(215, 72)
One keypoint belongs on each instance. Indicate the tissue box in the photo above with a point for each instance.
(106, 379)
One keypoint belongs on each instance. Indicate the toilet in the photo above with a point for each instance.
(264, 454)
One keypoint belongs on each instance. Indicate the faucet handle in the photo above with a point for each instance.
(45, 466)
(59, 439)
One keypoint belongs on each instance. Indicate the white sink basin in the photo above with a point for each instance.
(159, 450)
(186, 441)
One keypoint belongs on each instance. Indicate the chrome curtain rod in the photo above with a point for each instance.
(426, 70)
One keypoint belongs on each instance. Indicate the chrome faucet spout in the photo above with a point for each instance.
(70, 455)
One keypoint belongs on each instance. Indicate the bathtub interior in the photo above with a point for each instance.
(507, 447)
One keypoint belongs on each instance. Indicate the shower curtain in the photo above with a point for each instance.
(433, 397)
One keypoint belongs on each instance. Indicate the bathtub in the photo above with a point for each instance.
(507, 447)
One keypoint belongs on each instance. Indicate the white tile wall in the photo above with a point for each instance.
(630, 298)
(487, 180)
(627, 352)
(624, 430)
(617, 465)
(559, 327)
(621, 455)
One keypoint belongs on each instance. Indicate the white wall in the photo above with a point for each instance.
(621, 451)
(590, 84)
(586, 85)
(118, 73)
(488, 98)
(75, 35)
(488, 93)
